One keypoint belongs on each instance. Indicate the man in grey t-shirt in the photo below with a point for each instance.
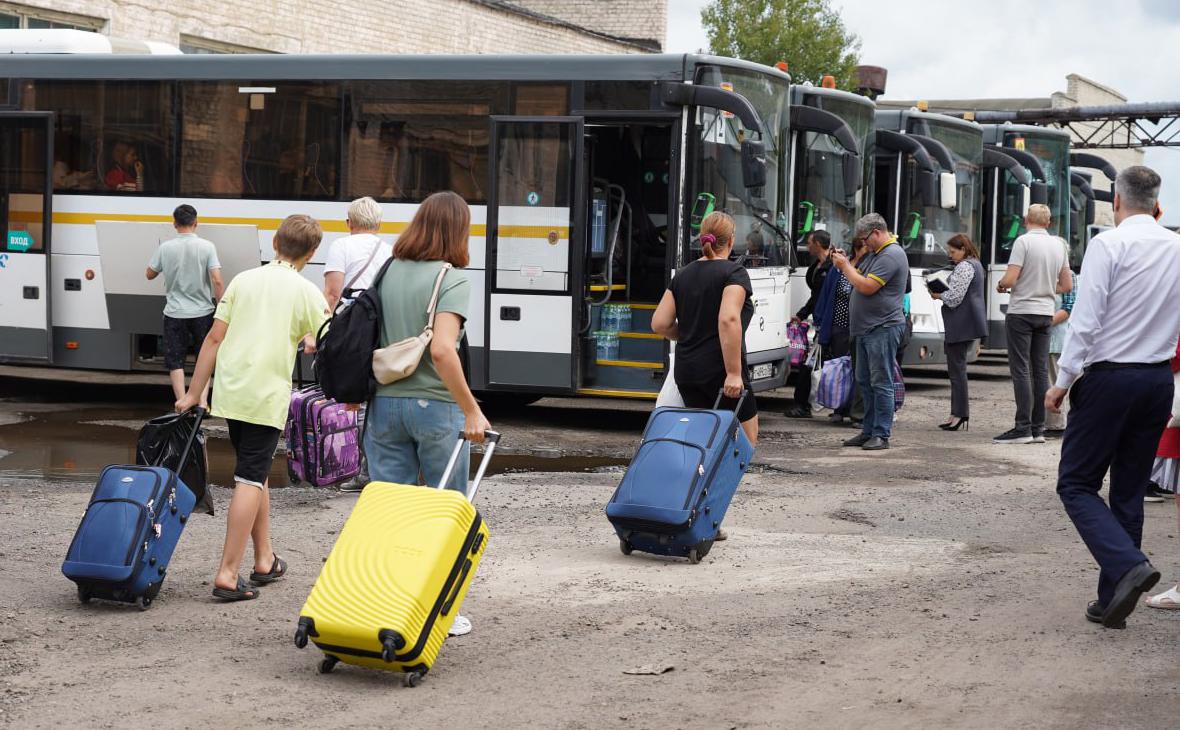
(1037, 271)
(877, 323)
(192, 282)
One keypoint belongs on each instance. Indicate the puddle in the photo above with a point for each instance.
(75, 445)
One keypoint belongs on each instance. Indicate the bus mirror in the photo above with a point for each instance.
(1040, 193)
(948, 191)
(1089, 211)
(753, 164)
(1025, 200)
(853, 176)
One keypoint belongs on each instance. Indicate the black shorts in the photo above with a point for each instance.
(697, 395)
(180, 335)
(254, 447)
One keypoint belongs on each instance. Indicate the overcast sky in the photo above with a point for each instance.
(1007, 48)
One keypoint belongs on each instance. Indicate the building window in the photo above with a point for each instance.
(14, 17)
(195, 45)
(111, 136)
(277, 141)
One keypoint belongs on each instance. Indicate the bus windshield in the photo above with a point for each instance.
(1009, 220)
(1053, 154)
(924, 231)
(823, 203)
(716, 167)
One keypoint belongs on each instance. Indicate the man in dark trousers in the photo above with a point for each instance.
(1123, 332)
(818, 245)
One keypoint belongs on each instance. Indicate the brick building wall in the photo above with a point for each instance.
(360, 26)
(644, 21)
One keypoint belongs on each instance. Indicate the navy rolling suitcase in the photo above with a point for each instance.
(130, 529)
(678, 486)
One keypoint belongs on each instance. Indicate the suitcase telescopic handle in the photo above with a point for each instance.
(198, 416)
(738, 407)
(492, 438)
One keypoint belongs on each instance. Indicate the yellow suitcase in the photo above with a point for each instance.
(397, 575)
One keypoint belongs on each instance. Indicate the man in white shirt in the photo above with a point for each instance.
(1123, 332)
(354, 260)
(353, 263)
(1038, 270)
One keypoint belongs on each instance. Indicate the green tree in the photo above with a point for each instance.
(808, 34)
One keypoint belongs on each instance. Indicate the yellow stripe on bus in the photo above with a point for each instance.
(631, 364)
(640, 336)
(606, 393)
(270, 224)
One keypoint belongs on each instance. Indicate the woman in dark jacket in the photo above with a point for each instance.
(964, 319)
(818, 244)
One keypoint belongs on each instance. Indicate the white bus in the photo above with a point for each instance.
(584, 175)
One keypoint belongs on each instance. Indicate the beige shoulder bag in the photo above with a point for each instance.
(399, 360)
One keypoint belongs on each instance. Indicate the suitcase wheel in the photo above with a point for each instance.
(694, 556)
(143, 602)
(328, 663)
(413, 679)
(625, 547)
(83, 595)
(301, 637)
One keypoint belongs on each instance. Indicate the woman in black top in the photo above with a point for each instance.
(706, 311)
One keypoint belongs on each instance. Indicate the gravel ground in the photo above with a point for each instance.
(938, 583)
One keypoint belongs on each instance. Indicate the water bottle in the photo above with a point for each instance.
(610, 318)
(601, 344)
(612, 346)
(624, 317)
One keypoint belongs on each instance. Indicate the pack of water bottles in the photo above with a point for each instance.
(615, 318)
(608, 345)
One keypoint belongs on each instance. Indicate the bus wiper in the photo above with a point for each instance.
(762, 215)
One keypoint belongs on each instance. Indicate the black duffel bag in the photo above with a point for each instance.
(161, 442)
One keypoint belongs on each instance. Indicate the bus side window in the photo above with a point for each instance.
(279, 142)
(111, 136)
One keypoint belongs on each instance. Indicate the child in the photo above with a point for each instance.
(257, 328)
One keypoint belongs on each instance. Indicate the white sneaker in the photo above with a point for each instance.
(461, 626)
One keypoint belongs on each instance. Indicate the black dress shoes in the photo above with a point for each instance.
(1094, 615)
(858, 440)
(876, 443)
(1134, 583)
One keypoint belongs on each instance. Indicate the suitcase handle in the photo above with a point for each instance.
(493, 438)
(738, 407)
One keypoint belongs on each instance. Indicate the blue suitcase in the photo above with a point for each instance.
(678, 486)
(130, 529)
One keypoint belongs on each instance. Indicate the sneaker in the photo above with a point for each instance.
(876, 443)
(858, 440)
(460, 627)
(1054, 433)
(1155, 490)
(1038, 438)
(1013, 437)
(798, 411)
(356, 484)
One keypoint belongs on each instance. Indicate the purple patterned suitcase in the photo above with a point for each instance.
(323, 439)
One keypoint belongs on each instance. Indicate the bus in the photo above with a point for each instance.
(1044, 154)
(587, 175)
(831, 180)
(928, 178)
(1084, 197)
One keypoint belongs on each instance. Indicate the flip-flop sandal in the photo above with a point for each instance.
(277, 570)
(1169, 599)
(243, 592)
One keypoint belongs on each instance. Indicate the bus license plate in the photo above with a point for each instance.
(763, 371)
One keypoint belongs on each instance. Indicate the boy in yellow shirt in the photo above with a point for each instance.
(254, 340)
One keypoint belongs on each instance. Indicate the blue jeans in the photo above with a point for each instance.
(876, 353)
(408, 436)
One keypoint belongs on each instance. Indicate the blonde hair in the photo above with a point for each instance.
(717, 232)
(365, 214)
(1038, 214)
(298, 235)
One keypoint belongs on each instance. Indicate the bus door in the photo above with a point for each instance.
(533, 291)
(26, 186)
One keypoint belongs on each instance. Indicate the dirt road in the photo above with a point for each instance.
(936, 584)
